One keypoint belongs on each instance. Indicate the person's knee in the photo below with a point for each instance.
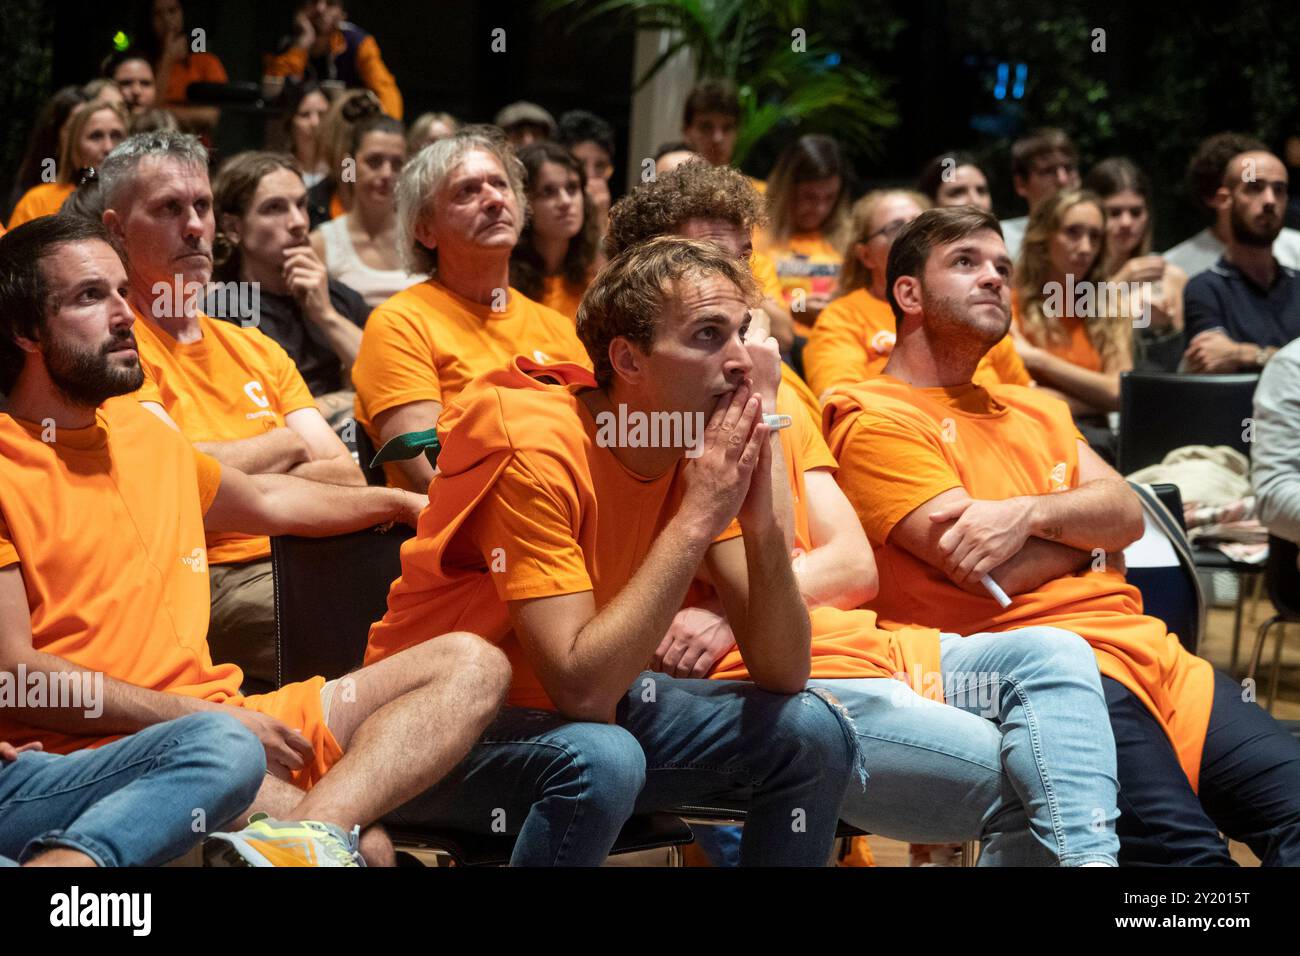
(1054, 651)
(814, 729)
(481, 663)
(604, 760)
(229, 748)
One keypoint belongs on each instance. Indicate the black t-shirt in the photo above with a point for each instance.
(1223, 297)
(282, 319)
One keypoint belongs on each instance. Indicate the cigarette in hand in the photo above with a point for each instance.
(993, 588)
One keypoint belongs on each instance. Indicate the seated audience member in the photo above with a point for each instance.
(126, 596)
(43, 143)
(229, 389)
(555, 257)
(955, 179)
(671, 155)
(1247, 305)
(1042, 164)
(808, 219)
(835, 573)
(953, 481)
(581, 596)
(855, 334)
(591, 140)
(93, 130)
(260, 206)
(460, 209)
(132, 71)
(429, 128)
(1070, 329)
(525, 123)
(711, 123)
(332, 196)
(714, 203)
(1275, 454)
(325, 47)
(131, 802)
(176, 64)
(306, 107)
(359, 248)
(1151, 287)
(1206, 172)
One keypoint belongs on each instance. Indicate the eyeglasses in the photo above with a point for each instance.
(889, 231)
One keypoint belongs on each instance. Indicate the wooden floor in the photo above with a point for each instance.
(1217, 648)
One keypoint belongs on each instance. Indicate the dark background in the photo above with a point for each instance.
(1172, 73)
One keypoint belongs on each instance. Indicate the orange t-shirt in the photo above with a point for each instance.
(427, 343)
(195, 68)
(900, 446)
(106, 524)
(527, 504)
(43, 199)
(563, 296)
(854, 337)
(763, 270)
(807, 263)
(1077, 349)
(845, 644)
(233, 383)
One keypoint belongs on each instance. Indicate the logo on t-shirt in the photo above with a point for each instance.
(196, 560)
(257, 394)
(541, 357)
(1058, 476)
(882, 343)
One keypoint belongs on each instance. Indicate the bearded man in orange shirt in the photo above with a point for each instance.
(960, 486)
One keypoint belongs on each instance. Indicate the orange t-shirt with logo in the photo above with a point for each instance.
(854, 337)
(527, 504)
(563, 296)
(106, 525)
(806, 263)
(195, 68)
(232, 383)
(426, 344)
(900, 446)
(845, 644)
(43, 199)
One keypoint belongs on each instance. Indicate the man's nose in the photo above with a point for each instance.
(298, 220)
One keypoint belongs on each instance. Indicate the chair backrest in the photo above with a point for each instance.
(1282, 577)
(1161, 411)
(366, 453)
(328, 591)
(1166, 576)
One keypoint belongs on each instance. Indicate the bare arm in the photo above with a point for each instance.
(412, 417)
(1094, 391)
(274, 452)
(840, 570)
(283, 504)
(331, 462)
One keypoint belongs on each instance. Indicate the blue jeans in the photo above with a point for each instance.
(136, 801)
(1021, 757)
(1249, 785)
(566, 788)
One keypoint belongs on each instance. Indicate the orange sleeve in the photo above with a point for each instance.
(291, 62)
(524, 532)
(889, 468)
(813, 450)
(28, 208)
(836, 353)
(394, 365)
(1006, 360)
(209, 475)
(8, 553)
(376, 76)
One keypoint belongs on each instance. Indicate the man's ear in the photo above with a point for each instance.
(1221, 200)
(1021, 186)
(424, 233)
(113, 223)
(907, 293)
(627, 359)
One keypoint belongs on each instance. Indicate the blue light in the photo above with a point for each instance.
(832, 59)
(1000, 90)
(1022, 70)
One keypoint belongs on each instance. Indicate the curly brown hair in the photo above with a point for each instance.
(694, 190)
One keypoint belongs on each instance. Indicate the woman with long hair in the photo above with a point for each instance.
(44, 141)
(305, 108)
(359, 248)
(92, 131)
(955, 178)
(555, 258)
(1153, 285)
(1071, 329)
(808, 213)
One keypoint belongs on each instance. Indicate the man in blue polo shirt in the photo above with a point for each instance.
(1247, 306)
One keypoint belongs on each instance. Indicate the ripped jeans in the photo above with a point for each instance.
(566, 788)
(1021, 757)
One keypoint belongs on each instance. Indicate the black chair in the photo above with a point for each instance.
(1162, 411)
(1282, 580)
(328, 591)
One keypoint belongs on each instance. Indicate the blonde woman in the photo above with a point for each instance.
(1070, 324)
(808, 212)
(92, 131)
(854, 335)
